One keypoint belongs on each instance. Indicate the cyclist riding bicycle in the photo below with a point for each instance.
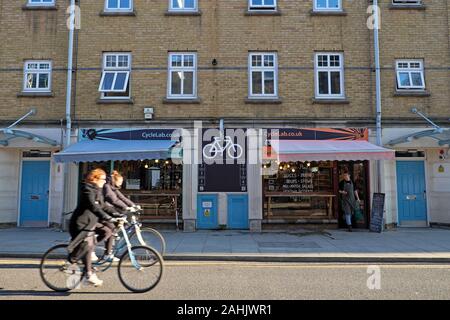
(92, 216)
(114, 197)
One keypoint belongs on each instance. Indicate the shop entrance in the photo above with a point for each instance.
(359, 174)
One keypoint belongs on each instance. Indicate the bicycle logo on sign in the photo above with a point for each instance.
(211, 150)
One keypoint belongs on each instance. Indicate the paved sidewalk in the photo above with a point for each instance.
(401, 245)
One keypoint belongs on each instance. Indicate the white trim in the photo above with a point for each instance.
(22, 159)
(183, 69)
(116, 69)
(327, 9)
(130, 9)
(37, 71)
(262, 69)
(410, 70)
(263, 7)
(41, 4)
(183, 8)
(329, 69)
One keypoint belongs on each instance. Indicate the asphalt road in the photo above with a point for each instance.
(19, 279)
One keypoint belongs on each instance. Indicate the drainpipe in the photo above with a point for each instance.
(378, 86)
(68, 110)
(69, 73)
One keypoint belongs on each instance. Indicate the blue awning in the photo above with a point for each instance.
(105, 150)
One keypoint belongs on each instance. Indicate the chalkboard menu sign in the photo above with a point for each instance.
(376, 220)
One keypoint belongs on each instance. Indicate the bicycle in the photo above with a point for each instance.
(140, 267)
(145, 236)
(211, 150)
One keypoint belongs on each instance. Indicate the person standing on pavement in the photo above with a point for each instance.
(349, 198)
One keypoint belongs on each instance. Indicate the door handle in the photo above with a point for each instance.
(425, 195)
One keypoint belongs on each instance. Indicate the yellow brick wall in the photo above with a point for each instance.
(225, 33)
(31, 35)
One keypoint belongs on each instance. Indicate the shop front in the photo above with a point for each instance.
(152, 170)
(417, 181)
(302, 173)
(31, 188)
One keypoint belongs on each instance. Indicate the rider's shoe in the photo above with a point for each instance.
(94, 257)
(111, 257)
(93, 280)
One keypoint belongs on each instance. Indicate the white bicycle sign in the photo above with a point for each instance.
(234, 150)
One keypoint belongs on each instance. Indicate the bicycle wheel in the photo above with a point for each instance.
(57, 273)
(151, 238)
(210, 151)
(141, 269)
(235, 152)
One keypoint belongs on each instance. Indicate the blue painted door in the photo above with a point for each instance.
(34, 193)
(411, 191)
(237, 211)
(207, 211)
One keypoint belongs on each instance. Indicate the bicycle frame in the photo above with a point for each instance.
(121, 245)
(217, 144)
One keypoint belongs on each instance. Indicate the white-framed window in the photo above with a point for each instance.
(182, 82)
(118, 5)
(183, 5)
(263, 75)
(262, 4)
(329, 75)
(41, 2)
(37, 76)
(410, 75)
(406, 2)
(327, 5)
(115, 80)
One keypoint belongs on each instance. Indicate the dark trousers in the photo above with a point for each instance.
(105, 231)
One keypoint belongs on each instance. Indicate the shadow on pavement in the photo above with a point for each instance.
(38, 293)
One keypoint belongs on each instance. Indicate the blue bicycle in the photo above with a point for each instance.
(140, 267)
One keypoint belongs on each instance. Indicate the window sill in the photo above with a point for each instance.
(262, 12)
(26, 94)
(328, 13)
(412, 93)
(115, 101)
(36, 7)
(263, 101)
(330, 101)
(183, 13)
(407, 7)
(181, 101)
(117, 13)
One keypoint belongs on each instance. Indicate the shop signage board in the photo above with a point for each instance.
(376, 220)
(319, 134)
(126, 134)
(230, 174)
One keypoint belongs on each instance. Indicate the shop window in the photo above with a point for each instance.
(299, 189)
(156, 185)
